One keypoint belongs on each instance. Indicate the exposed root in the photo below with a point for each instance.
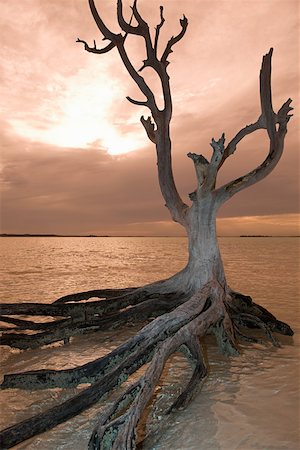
(246, 319)
(133, 306)
(240, 303)
(212, 309)
(192, 349)
(246, 338)
(116, 429)
(100, 293)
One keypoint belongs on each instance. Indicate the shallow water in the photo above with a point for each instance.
(249, 402)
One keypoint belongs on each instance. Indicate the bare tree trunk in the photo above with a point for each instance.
(204, 259)
(205, 263)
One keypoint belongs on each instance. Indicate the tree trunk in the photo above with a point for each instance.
(205, 263)
(204, 259)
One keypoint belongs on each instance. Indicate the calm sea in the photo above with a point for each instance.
(249, 402)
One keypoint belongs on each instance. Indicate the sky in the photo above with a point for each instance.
(75, 158)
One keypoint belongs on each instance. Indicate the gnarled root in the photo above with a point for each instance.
(213, 309)
(112, 310)
(116, 430)
(246, 314)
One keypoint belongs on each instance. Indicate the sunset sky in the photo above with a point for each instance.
(74, 156)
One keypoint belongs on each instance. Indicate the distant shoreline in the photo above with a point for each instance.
(125, 236)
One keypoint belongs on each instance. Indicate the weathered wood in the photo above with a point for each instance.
(241, 304)
(100, 293)
(209, 304)
(192, 348)
(111, 370)
(91, 371)
(73, 309)
(61, 330)
(68, 409)
(22, 324)
(138, 351)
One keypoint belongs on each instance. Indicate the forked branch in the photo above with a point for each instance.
(108, 34)
(174, 40)
(268, 121)
(125, 26)
(160, 135)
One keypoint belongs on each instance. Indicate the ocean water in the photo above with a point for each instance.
(247, 402)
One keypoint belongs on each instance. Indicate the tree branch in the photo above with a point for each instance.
(201, 166)
(157, 31)
(149, 127)
(95, 49)
(267, 120)
(216, 158)
(174, 40)
(268, 115)
(138, 17)
(100, 24)
(231, 147)
(137, 102)
(161, 135)
(151, 103)
(127, 27)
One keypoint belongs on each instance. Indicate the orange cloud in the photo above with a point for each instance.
(63, 109)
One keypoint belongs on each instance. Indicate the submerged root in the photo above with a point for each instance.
(117, 426)
(212, 309)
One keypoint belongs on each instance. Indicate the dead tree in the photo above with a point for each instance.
(187, 306)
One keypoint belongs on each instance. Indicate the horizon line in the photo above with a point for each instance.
(130, 235)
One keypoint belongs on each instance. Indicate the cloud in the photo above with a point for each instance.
(63, 109)
(278, 225)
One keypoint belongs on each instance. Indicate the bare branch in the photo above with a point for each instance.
(283, 115)
(127, 27)
(206, 172)
(100, 24)
(268, 120)
(138, 17)
(137, 102)
(260, 172)
(174, 40)
(231, 147)
(149, 127)
(201, 166)
(95, 49)
(161, 135)
(139, 80)
(157, 31)
(218, 150)
(267, 117)
(216, 158)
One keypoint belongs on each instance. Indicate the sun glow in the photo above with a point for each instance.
(82, 113)
(76, 134)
